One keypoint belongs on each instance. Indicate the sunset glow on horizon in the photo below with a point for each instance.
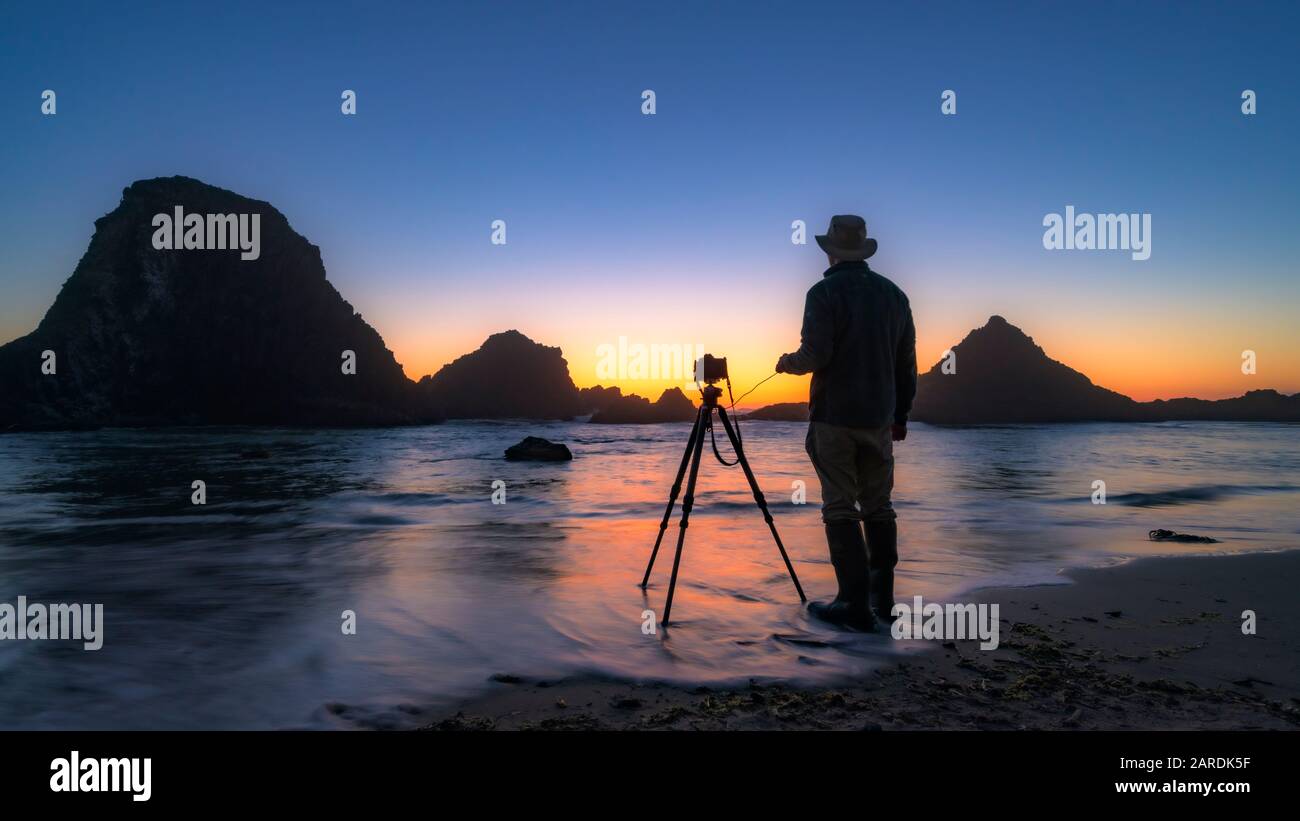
(1143, 363)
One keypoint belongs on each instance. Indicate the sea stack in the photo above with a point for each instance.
(999, 375)
(200, 336)
(509, 377)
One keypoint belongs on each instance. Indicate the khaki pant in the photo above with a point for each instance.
(856, 469)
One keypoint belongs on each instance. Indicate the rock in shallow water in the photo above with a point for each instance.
(1170, 536)
(536, 449)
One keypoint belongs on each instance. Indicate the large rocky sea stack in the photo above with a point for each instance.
(141, 336)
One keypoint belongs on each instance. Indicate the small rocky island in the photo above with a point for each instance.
(672, 406)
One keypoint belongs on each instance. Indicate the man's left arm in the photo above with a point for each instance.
(817, 338)
(904, 375)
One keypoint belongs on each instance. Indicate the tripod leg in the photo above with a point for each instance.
(672, 497)
(687, 504)
(758, 497)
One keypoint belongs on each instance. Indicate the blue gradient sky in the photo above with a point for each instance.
(675, 227)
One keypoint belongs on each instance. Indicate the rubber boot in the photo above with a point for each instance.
(882, 556)
(851, 607)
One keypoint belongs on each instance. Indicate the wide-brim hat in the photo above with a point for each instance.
(847, 238)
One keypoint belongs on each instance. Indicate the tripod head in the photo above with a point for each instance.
(711, 394)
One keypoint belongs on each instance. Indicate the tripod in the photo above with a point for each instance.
(694, 448)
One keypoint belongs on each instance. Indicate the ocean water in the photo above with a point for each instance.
(229, 615)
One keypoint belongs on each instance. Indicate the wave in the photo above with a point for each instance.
(1189, 495)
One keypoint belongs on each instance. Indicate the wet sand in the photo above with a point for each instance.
(1152, 644)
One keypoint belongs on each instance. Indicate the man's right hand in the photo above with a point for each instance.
(898, 432)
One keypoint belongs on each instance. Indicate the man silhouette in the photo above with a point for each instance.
(859, 343)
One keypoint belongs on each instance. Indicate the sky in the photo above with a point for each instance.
(675, 227)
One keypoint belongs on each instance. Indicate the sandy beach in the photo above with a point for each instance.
(1152, 644)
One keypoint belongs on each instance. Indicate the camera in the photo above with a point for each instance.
(711, 369)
